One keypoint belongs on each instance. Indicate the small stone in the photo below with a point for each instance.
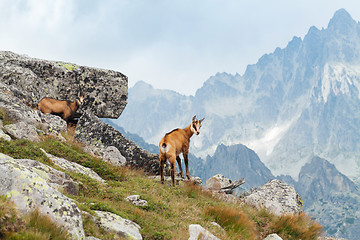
(217, 182)
(273, 236)
(196, 231)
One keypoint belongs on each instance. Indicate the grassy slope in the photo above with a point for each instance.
(171, 209)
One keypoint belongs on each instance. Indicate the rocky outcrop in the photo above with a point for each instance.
(91, 131)
(29, 187)
(276, 196)
(31, 79)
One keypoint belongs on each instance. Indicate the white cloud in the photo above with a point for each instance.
(175, 44)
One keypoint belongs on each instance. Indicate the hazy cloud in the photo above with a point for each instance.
(170, 44)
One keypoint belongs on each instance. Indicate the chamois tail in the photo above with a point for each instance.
(164, 148)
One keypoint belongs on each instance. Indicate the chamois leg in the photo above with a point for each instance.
(162, 163)
(180, 168)
(186, 160)
(172, 166)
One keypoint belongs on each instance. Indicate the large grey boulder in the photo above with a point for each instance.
(31, 79)
(56, 179)
(124, 228)
(276, 196)
(29, 190)
(91, 131)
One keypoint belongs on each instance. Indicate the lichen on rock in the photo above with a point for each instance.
(31, 79)
(29, 190)
(276, 196)
(92, 131)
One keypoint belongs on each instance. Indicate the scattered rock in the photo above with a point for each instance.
(91, 131)
(135, 199)
(273, 236)
(196, 232)
(276, 196)
(126, 229)
(28, 190)
(74, 167)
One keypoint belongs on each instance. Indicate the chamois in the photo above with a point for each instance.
(64, 108)
(175, 142)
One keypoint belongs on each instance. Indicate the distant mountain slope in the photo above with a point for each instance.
(330, 197)
(292, 104)
(237, 162)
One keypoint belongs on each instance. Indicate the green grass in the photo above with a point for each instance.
(4, 116)
(171, 209)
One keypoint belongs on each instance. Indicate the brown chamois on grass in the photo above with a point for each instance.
(175, 142)
(63, 108)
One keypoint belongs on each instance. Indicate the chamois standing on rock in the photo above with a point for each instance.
(63, 108)
(175, 142)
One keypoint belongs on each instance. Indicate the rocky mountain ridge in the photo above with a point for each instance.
(294, 103)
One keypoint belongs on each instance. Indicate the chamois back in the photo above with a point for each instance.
(63, 108)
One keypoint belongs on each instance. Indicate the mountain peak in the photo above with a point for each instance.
(341, 19)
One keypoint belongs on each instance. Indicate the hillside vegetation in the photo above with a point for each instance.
(169, 213)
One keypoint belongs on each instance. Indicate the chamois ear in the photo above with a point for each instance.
(201, 120)
(194, 118)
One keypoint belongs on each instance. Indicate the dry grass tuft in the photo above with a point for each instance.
(237, 223)
(297, 227)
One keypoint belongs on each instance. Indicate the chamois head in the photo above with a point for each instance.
(80, 100)
(196, 125)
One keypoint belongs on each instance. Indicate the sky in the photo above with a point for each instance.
(170, 44)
